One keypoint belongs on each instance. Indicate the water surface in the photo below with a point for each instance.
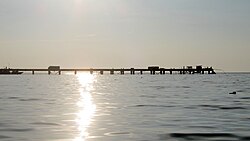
(88, 107)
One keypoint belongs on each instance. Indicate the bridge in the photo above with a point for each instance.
(151, 70)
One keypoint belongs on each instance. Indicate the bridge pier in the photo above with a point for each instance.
(33, 72)
(132, 71)
(59, 72)
(112, 72)
(49, 72)
(101, 72)
(75, 72)
(122, 72)
(162, 72)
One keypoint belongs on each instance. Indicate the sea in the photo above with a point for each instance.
(96, 107)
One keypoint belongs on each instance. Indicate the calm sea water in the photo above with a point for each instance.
(88, 107)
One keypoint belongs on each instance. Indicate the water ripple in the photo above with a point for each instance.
(142, 105)
(46, 123)
(117, 133)
(204, 137)
(17, 129)
(245, 98)
(13, 97)
(4, 137)
(222, 107)
(30, 99)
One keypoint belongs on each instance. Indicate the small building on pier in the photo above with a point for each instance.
(54, 68)
(153, 68)
(198, 69)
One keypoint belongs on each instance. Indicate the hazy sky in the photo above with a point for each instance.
(125, 33)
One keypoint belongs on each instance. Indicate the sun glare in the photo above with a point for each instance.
(86, 106)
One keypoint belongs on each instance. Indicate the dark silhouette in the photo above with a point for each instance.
(9, 71)
(151, 69)
(233, 92)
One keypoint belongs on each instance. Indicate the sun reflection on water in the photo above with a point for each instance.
(86, 106)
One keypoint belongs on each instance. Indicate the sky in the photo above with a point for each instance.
(125, 33)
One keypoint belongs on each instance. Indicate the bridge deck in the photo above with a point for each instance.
(122, 70)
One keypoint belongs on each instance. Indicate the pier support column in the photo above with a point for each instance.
(59, 72)
(101, 72)
(171, 72)
(141, 72)
(49, 72)
(75, 72)
(162, 72)
(132, 71)
(33, 72)
(122, 72)
(112, 72)
(91, 71)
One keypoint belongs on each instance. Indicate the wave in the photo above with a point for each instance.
(204, 137)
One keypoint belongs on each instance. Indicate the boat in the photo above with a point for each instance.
(9, 71)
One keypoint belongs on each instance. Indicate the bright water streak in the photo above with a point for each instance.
(88, 107)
